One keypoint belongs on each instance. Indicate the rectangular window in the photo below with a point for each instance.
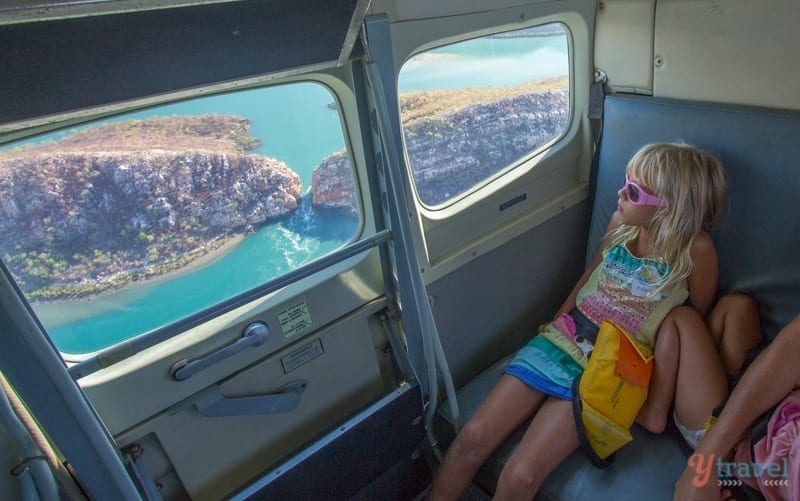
(128, 224)
(473, 109)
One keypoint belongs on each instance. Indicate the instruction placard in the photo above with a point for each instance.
(302, 356)
(295, 319)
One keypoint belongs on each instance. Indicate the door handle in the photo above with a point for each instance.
(286, 398)
(254, 334)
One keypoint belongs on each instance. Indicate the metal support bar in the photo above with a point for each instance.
(376, 182)
(424, 345)
(384, 119)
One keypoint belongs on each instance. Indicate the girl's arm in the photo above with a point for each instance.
(702, 282)
(569, 303)
(766, 382)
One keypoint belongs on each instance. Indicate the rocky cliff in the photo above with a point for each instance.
(456, 139)
(332, 184)
(131, 199)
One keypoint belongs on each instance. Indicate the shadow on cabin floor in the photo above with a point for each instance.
(409, 482)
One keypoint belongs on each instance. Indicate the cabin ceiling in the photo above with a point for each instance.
(56, 58)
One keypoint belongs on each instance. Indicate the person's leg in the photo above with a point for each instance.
(506, 407)
(687, 368)
(701, 383)
(735, 326)
(654, 412)
(550, 438)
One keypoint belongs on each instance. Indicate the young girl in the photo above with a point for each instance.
(656, 254)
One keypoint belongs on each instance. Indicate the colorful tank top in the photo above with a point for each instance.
(624, 289)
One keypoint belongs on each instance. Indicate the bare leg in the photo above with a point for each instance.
(550, 438)
(506, 407)
(654, 412)
(735, 326)
(688, 368)
(701, 384)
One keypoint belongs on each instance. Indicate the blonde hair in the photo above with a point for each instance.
(692, 183)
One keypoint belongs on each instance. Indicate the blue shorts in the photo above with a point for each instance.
(547, 368)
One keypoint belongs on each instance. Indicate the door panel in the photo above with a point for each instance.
(115, 391)
(213, 456)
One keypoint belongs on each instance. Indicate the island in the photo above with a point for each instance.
(145, 197)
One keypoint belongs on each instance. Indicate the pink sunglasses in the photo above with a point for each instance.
(638, 196)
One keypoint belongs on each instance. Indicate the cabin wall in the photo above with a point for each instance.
(490, 308)
(494, 275)
(732, 52)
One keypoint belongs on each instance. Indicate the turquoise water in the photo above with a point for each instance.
(274, 250)
(296, 126)
(486, 62)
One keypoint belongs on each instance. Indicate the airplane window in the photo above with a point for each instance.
(122, 226)
(471, 110)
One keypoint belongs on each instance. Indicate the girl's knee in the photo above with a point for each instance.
(472, 440)
(680, 321)
(740, 305)
(683, 315)
(520, 479)
(683, 327)
(736, 313)
(735, 301)
(736, 329)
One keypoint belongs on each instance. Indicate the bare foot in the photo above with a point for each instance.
(652, 420)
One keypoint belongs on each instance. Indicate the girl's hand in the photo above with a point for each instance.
(542, 327)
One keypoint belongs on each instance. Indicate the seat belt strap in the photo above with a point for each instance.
(597, 94)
